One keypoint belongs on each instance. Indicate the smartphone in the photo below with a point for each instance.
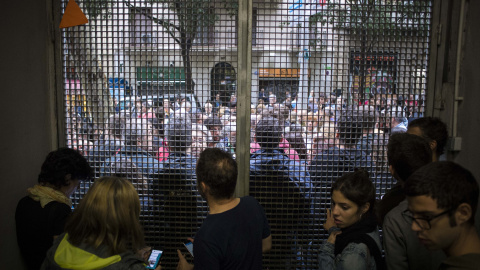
(154, 258)
(189, 246)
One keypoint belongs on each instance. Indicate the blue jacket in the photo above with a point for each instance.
(366, 143)
(276, 180)
(103, 149)
(332, 163)
(181, 204)
(266, 162)
(402, 127)
(179, 168)
(282, 186)
(355, 256)
(145, 162)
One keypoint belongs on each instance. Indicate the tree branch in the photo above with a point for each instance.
(164, 23)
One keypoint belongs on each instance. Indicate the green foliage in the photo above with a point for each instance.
(95, 8)
(375, 18)
(231, 6)
(190, 14)
(186, 19)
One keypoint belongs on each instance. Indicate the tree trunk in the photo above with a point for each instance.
(363, 62)
(187, 65)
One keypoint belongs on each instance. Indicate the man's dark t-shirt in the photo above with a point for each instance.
(232, 239)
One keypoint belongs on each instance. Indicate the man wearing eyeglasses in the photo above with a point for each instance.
(406, 154)
(442, 201)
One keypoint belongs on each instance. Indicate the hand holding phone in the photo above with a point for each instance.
(189, 246)
(154, 258)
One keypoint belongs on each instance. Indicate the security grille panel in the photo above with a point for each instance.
(149, 84)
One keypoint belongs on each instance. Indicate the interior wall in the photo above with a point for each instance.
(25, 136)
(457, 24)
(468, 110)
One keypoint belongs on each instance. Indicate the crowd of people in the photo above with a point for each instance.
(307, 130)
(319, 167)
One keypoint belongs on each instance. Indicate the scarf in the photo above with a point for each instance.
(357, 233)
(45, 195)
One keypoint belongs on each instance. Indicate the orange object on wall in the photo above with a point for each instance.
(73, 15)
(279, 72)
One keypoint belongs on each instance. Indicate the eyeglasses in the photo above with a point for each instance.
(422, 222)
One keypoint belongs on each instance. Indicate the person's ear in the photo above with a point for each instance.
(68, 178)
(205, 188)
(365, 208)
(463, 213)
(391, 170)
(433, 145)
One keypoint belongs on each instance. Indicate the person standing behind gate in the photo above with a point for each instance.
(41, 215)
(433, 130)
(282, 186)
(236, 232)
(343, 156)
(175, 186)
(406, 154)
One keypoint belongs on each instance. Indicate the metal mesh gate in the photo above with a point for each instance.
(149, 84)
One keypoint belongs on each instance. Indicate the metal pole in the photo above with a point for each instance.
(303, 56)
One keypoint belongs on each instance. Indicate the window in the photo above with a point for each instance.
(205, 34)
(141, 27)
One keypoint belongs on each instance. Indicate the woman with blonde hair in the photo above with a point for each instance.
(260, 108)
(103, 231)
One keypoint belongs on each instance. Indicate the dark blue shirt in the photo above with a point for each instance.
(232, 239)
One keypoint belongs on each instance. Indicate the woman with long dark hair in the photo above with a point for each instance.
(354, 240)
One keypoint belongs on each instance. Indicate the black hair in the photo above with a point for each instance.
(446, 182)
(296, 141)
(136, 130)
(368, 116)
(116, 125)
(280, 112)
(351, 124)
(158, 125)
(356, 187)
(218, 170)
(406, 153)
(61, 162)
(179, 134)
(213, 122)
(433, 129)
(268, 132)
(124, 167)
